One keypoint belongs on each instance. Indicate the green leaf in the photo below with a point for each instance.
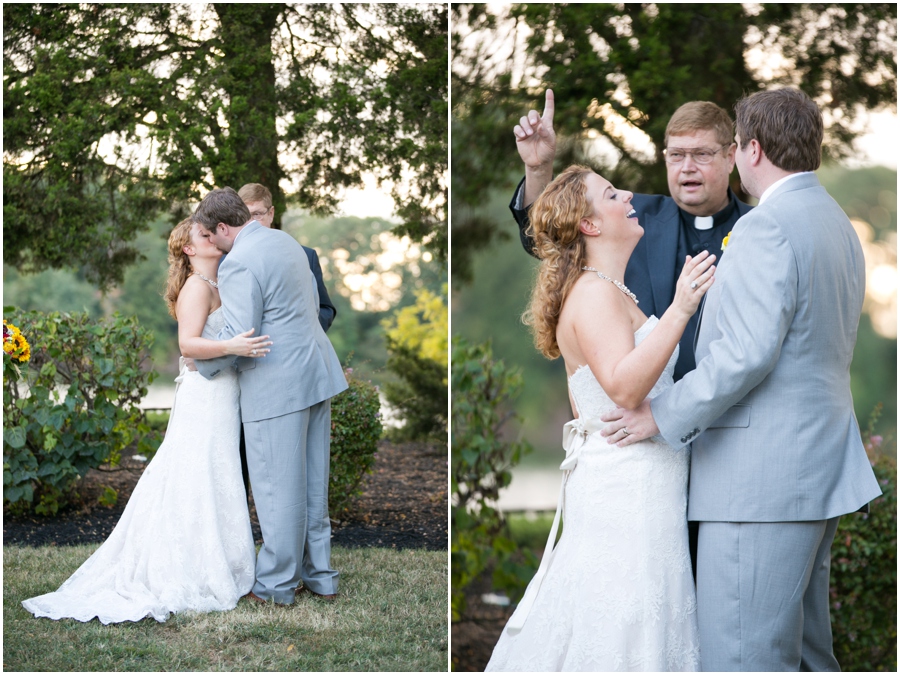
(13, 494)
(14, 437)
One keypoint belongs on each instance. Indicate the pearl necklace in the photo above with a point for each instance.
(618, 284)
(212, 283)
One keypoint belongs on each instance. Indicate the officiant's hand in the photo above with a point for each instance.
(535, 138)
(536, 142)
(629, 426)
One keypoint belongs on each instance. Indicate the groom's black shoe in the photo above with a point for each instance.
(328, 598)
(253, 596)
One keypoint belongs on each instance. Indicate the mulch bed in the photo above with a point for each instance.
(403, 505)
(473, 637)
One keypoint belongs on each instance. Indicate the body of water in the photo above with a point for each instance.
(162, 396)
(531, 489)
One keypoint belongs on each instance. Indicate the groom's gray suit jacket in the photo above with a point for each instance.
(768, 408)
(265, 283)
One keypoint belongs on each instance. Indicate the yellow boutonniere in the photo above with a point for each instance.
(725, 241)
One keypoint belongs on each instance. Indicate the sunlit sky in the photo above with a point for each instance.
(369, 201)
(879, 146)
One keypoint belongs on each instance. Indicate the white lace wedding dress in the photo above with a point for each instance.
(184, 540)
(616, 593)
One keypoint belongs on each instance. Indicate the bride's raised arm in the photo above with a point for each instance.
(605, 334)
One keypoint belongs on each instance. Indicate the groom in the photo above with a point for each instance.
(265, 283)
(777, 456)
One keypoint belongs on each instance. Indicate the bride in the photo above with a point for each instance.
(184, 540)
(616, 593)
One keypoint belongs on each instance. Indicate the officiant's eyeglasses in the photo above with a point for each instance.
(700, 155)
(260, 214)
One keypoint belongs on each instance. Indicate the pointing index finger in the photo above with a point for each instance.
(549, 107)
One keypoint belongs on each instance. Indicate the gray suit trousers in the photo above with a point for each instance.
(762, 596)
(288, 460)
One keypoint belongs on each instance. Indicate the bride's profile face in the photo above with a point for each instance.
(611, 206)
(201, 243)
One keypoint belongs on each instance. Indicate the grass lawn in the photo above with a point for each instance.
(391, 615)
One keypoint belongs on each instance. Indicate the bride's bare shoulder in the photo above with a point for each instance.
(593, 296)
(196, 297)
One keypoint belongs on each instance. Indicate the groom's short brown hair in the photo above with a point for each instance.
(222, 206)
(786, 123)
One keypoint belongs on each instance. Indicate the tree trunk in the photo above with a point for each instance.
(249, 154)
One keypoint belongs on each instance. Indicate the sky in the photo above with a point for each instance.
(880, 145)
(370, 201)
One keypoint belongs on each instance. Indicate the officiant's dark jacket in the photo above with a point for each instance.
(327, 310)
(659, 255)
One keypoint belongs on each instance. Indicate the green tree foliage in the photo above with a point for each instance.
(481, 460)
(74, 406)
(629, 66)
(139, 294)
(113, 113)
(355, 432)
(422, 327)
(416, 338)
(401, 125)
(349, 249)
(369, 274)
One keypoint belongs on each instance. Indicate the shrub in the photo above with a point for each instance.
(355, 431)
(420, 397)
(74, 406)
(864, 573)
(417, 354)
(480, 467)
(158, 420)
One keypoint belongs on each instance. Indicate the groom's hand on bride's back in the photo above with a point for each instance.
(629, 426)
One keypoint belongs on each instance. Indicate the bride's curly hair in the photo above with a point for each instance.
(179, 263)
(554, 218)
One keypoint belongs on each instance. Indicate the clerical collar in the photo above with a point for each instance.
(708, 222)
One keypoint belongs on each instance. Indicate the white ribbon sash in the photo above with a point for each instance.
(182, 373)
(575, 434)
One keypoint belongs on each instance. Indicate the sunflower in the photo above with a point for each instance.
(15, 344)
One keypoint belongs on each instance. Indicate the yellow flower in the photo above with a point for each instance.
(15, 344)
(23, 348)
(725, 240)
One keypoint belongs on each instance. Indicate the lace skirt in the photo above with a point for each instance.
(618, 593)
(184, 541)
